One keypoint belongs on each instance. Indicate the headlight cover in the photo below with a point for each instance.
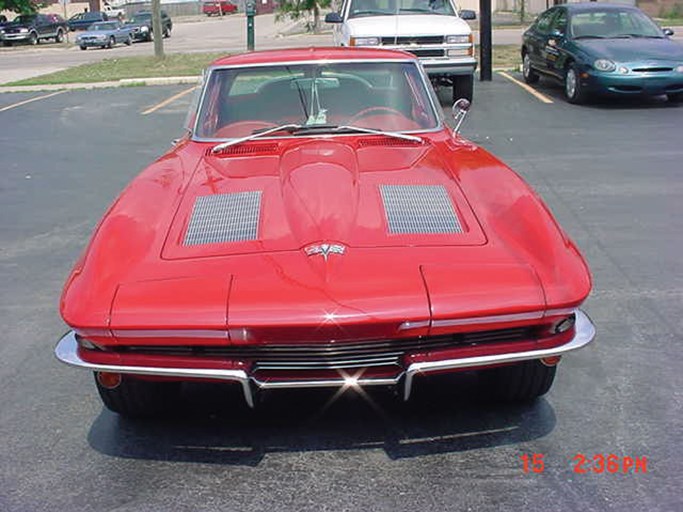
(679, 69)
(457, 39)
(364, 41)
(604, 65)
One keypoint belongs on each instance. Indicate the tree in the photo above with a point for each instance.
(21, 6)
(297, 9)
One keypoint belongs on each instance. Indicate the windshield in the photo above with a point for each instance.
(612, 24)
(103, 26)
(360, 8)
(25, 18)
(141, 18)
(389, 96)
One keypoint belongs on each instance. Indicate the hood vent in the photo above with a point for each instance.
(387, 141)
(419, 209)
(246, 150)
(223, 218)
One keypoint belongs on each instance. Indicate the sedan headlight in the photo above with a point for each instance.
(457, 39)
(679, 69)
(604, 65)
(364, 41)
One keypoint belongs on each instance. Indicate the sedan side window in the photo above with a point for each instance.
(543, 22)
(560, 23)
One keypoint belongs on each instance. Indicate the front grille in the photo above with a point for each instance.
(653, 70)
(340, 355)
(409, 40)
(427, 53)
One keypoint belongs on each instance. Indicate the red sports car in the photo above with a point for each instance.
(218, 8)
(321, 226)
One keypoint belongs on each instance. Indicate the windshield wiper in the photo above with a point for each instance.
(289, 128)
(589, 37)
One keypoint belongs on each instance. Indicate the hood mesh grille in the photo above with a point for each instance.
(419, 209)
(224, 218)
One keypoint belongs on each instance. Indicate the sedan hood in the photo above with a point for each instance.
(369, 192)
(633, 50)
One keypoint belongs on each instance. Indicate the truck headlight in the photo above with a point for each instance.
(23, 30)
(457, 39)
(604, 65)
(144, 29)
(364, 41)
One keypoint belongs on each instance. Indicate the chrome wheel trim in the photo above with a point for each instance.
(570, 83)
(526, 65)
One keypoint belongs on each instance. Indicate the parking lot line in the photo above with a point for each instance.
(30, 100)
(540, 97)
(168, 101)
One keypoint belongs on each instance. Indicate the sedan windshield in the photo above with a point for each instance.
(612, 23)
(360, 8)
(387, 96)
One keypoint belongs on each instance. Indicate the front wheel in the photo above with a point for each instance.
(463, 87)
(111, 42)
(676, 97)
(59, 38)
(573, 90)
(530, 76)
(7, 43)
(150, 36)
(33, 39)
(84, 47)
(129, 41)
(519, 382)
(137, 398)
(167, 33)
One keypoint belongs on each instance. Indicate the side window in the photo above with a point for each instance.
(560, 22)
(543, 23)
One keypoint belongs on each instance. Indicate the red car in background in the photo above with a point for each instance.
(218, 8)
(320, 225)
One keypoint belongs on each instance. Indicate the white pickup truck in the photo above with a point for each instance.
(433, 30)
(113, 12)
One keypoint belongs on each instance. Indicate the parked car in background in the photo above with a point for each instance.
(141, 23)
(113, 12)
(321, 225)
(603, 49)
(433, 30)
(218, 8)
(33, 28)
(83, 20)
(105, 34)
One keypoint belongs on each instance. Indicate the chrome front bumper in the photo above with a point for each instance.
(67, 352)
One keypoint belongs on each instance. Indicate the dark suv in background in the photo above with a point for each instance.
(32, 28)
(83, 20)
(141, 23)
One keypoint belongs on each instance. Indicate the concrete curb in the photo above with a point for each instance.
(124, 82)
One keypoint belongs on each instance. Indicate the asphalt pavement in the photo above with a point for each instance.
(610, 171)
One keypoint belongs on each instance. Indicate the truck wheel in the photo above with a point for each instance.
(519, 382)
(167, 33)
(530, 76)
(59, 38)
(137, 398)
(33, 39)
(150, 35)
(84, 47)
(463, 87)
(7, 43)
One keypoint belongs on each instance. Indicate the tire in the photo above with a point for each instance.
(59, 38)
(84, 47)
(167, 33)
(519, 382)
(150, 36)
(111, 43)
(33, 39)
(463, 87)
(530, 76)
(129, 41)
(7, 43)
(676, 97)
(137, 398)
(573, 90)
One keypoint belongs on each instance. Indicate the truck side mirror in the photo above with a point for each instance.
(333, 17)
(467, 14)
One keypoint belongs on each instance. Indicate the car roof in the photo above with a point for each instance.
(597, 6)
(273, 57)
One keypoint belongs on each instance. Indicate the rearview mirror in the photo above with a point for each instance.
(459, 110)
(467, 14)
(333, 17)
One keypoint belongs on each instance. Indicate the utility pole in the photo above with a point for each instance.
(485, 41)
(157, 30)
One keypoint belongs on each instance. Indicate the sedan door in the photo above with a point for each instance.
(536, 39)
(556, 43)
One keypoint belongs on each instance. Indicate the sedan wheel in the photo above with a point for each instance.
(84, 47)
(111, 43)
(129, 41)
(573, 90)
(530, 76)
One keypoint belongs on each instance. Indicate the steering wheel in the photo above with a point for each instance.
(375, 111)
(242, 128)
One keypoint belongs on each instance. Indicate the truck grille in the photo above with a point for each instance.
(408, 40)
(427, 53)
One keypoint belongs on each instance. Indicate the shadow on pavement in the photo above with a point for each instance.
(212, 425)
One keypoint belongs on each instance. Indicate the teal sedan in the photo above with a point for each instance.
(603, 49)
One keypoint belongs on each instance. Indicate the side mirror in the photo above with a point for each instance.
(668, 32)
(459, 110)
(556, 33)
(333, 17)
(467, 14)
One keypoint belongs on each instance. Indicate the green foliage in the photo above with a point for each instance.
(21, 6)
(297, 9)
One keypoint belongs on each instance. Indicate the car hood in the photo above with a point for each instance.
(96, 33)
(407, 25)
(633, 50)
(319, 191)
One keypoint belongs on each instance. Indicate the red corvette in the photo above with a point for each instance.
(321, 226)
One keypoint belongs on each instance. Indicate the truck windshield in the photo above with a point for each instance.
(361, 8)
